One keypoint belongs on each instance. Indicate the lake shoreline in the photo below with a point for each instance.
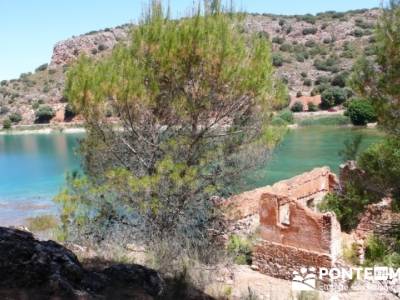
(45, 129)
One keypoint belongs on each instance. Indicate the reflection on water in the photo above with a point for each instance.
(32, 170)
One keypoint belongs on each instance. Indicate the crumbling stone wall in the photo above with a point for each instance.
(281, 261)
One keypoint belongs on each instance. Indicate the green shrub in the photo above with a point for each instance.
(381, 162)
(7, 124)
(327, 41)
(312, 107)
(278, 40)
(4, 109)
(310, 30)
(41, 68)
(15, 117)
(340, 79)
(370, 50)
(322, 80)
(361, 112)
(300, 56)
(333, 96)
(308, 18)
(282, 22)
(347, 207)
(277, 121)
(349, 50)
(357, 32)
(44, 114)
(310, 43)
(303, 74)
(277, 60)
(330, 64)
(3, 82)
(297, 107)
(240, 250)
(286, 115)
(350, 254)
(307, 82)
(102, 47)
(69, 112)
(375, 250)
(285, 47)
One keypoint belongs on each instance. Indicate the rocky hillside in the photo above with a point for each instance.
(310, 53)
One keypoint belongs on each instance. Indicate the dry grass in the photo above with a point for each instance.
(42, 223)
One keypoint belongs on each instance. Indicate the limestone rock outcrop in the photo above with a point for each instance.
(90, 44)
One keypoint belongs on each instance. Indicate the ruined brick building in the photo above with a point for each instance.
(292, 234)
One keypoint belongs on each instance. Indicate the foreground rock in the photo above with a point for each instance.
(32, 269)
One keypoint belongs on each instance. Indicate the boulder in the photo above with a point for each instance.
(33, 269)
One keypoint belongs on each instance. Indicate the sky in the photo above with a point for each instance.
(30, 28)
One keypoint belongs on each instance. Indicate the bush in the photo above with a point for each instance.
(297, 107)
(340, 79)
(327, 41)
(381, 162)
(361, 112)
(277, 121)
(41, 68)
(277, 60)
(44, 114)
(240, 250)
(310, 30)
(310, 43)
(370, 50)
(330, 64)
(322, 80)
(311, 106)
(307, 82)
(303, 74)
(286, 115)
(69, 112)
(7, 124)
(278, 40)
(102, 47)
(308, 18)
(333, 96)
(285, 47)
(15, 117)
(347, 207)
(357, 33)
(300, 56)
(299, 94)
(4, 110)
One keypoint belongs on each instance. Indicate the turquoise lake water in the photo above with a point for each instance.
(33, 166)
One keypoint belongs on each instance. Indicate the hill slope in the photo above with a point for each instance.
(310, 53)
